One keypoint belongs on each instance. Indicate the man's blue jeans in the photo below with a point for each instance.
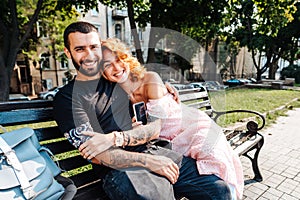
(190, 184)
(194, 186)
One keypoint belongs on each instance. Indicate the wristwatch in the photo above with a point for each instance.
(119, 139)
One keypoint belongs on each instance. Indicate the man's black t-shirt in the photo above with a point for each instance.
(103, 105)
(96, 105)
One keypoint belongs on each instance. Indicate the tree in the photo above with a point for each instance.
(201, 23)
(289, 37)
(12, 37)
(257, 24)
(17, 20)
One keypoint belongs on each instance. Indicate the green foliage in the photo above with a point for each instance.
(201, 23)
(17, 31)
(292, 71)
(262, 27)
(83, 5)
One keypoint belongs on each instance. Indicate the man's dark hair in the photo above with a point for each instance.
(82, 27)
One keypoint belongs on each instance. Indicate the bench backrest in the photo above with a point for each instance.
(38, 114)
(197, 98)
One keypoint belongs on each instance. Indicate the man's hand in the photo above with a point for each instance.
(172, 90)
(97, 144)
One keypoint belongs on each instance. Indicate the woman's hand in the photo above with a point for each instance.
(135, 123)
(172, 90)
(97, 144)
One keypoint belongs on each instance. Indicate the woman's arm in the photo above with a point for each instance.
(154, 86)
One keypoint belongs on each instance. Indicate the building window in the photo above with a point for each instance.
(94, 12)
(45, 61)
(98, 27)
(65, 81)
(48, 84)
(141, 34)
(118, 31)
(41, 30)
(63, 61)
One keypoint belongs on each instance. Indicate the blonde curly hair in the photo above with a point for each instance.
(123, 53)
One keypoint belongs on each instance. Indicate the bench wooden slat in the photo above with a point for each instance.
(248, 144)
(194, 96)
(15, 117)
(59, 146)
(203, 104)
(48, 133)
(13, 105)
(73, 163)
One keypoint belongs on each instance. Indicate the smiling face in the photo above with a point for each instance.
(114, 69)
(85, 52)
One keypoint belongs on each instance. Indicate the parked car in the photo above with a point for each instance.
(242, 81)
(233, 82)
(212, 85)
(245, 81)
(49, 95)
(182, 86)
(197, 84)
(18, 97)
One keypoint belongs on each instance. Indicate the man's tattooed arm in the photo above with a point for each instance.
(117, 158)
(142, 133)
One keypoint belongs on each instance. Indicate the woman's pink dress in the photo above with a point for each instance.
(194, 134)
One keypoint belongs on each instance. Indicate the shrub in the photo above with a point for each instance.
(292, 71)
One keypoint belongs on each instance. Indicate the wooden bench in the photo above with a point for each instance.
(38, 114)
(243, 141)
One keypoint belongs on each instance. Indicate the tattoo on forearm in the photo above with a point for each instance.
(143, 134)
(120, 160)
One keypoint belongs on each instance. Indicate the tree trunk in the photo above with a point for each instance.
(4, 82)
(258, 75)
(153, 39)
(272, 70)
(137, 44)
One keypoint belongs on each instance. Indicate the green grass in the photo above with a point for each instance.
(261, 100)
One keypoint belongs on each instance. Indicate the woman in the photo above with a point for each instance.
(191, 131)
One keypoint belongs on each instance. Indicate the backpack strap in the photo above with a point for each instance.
(13, 161)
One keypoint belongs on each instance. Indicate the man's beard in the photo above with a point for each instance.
(86, 72)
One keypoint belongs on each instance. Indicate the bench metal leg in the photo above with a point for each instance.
(254, 160)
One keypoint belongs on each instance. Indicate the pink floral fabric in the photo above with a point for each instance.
(194, 134)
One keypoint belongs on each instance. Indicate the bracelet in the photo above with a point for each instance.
(119, 139)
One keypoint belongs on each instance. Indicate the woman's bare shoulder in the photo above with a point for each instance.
(151, 76)
(154, 85)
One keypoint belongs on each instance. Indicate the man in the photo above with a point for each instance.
(91, 103)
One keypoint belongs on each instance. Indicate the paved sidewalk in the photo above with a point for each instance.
(279, 162)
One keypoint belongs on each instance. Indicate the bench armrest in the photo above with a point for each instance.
(251, 125)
